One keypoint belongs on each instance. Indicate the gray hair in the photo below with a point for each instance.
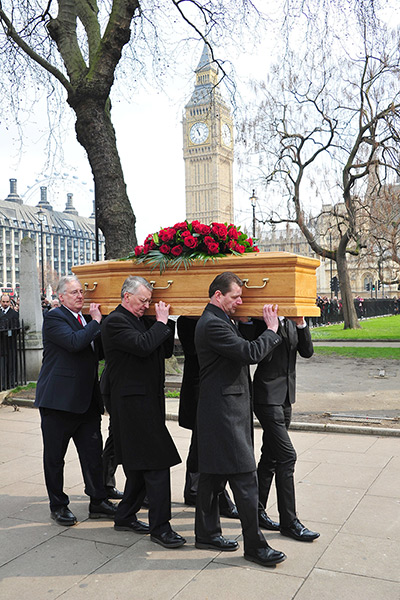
(63, 282)
(133, 283)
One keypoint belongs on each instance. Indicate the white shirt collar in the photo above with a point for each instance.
(75, 314)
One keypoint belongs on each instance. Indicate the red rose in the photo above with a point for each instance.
(190, 241)
(204, 230)
(196, 226)
(233, 233)
(213, 248)
(149, 239)
(185, 234)
(239, 248)
(147, 248)
(256, 249)
(231, 245)
(138, 250)
(209, 240)
(250, 241)
(164, 248)
(177, 250)
(150, 244)
(167, 234)
(219, 230)
(180, 226)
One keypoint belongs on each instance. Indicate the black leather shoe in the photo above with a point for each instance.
(230, 513)
(113, 493)
(102, 510)
(168, 539)
(266, 523)
(266, 557)
(217, 543)
(136, 526)
(297, 531)
(63, 516)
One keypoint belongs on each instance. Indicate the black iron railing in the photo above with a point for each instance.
(12, 354)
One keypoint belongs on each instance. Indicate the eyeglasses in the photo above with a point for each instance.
(145, 300)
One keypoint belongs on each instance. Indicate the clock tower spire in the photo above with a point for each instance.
(208, 148)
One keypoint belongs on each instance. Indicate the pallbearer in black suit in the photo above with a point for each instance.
(274, 394)
(135, 348)
(188, 400)
(70, 403)
(225, 420)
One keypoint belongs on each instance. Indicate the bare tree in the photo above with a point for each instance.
(72, 48)
(384, 230)
(321, 127)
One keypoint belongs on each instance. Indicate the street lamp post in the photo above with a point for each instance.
(330, 248)
(41, 218)
(253, 200)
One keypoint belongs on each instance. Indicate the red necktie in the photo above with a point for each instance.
(80, 320)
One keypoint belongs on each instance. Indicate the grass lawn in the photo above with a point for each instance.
(359, 352)
(377, 328)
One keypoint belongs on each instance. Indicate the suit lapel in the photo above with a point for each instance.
(70, 317)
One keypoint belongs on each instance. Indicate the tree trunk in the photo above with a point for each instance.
(115, 216)
(349, 311)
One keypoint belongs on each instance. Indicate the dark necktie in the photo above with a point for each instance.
(283, 328)
(80, 320)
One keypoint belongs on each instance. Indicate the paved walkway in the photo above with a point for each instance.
(347, 488)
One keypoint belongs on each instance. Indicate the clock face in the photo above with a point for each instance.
(199, 133)
(226, 134)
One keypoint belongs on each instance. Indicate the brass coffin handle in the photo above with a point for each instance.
(170, 282)
(255, 287)
(87, 288)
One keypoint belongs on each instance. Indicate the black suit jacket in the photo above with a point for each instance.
(11, 317)
(68, 379)
(275, 377)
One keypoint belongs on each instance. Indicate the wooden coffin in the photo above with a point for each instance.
(279, 278)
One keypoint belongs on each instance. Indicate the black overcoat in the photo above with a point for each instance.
(224, 414)
(135, 350)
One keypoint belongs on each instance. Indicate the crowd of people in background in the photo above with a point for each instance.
(13, 303)
(332, 309)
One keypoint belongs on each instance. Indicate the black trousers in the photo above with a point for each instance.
(156, 485)
(110, 463)
(278, 457)
(245, 492)
(192, 479)
(58, 428)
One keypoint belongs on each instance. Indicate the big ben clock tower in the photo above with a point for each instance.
(208, 148)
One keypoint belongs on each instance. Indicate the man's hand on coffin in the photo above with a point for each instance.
(270, 316)
(162, 311)
(300, 322)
